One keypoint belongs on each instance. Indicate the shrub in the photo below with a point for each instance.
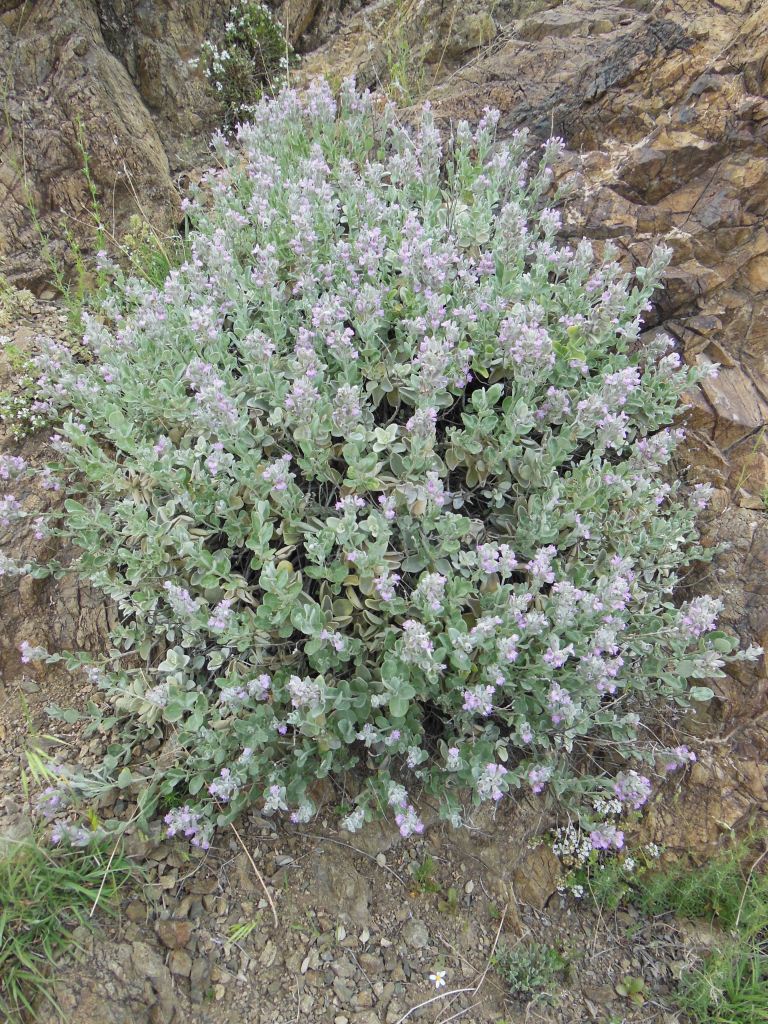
(22, 410)
(530, 968)
(374, 480)
(253, 59)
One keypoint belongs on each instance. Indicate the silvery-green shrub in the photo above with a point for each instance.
(378, 480)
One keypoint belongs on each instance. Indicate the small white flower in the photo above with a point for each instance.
(438, 979)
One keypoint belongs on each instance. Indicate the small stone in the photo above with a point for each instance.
(381, 860)
(345, 990)
(202, 886)
(341, 933)
(340, 1019)
(136, 912)
(415, 934)
(199, 977)
(180, 962)
(364, 936)
(469, 888)
(344, 969)
(366, 1017)
(29, 685)
(174, 933)
(371, 963)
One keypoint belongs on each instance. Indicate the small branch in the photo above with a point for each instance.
(493, 950)
(460, 991)
(459, 1013)
(258, 874)
(746, 886)
(104, 878)
(441, 995)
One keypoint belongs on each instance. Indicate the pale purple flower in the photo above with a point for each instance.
(52, 801)
(605, 837)
(30, 653)
(632, 789)
(278, 473)
(479, 699)
(189, 823)
(225, 787)
(557, 656)
(387, 503)
(161, 446)
(700, 615)
(305, 693)
(490, 781)
(221, 616)
(274, 800)
(408, 821)
(336, 639)
(678, 757)
(526, 733)
(560, 704)
(180, 600)
(416, 647)
(539, 777)
(540, 566)
(11, 466)
(430, 591)
(452, 759)
(303, 813)
(385, 585)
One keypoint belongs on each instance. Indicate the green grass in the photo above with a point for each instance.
(730, 987)
(44, 895)
(424, 876)
(721, 891)
(730, 984)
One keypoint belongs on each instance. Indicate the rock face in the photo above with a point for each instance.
(110, 77)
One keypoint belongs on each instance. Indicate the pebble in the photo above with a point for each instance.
(415, 934)
(174, 933)
(136, 912)
(180, 962)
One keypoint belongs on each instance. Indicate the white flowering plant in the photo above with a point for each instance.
(253, 58)
(376, 481)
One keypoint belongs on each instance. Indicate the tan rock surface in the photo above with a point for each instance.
(112, 77)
